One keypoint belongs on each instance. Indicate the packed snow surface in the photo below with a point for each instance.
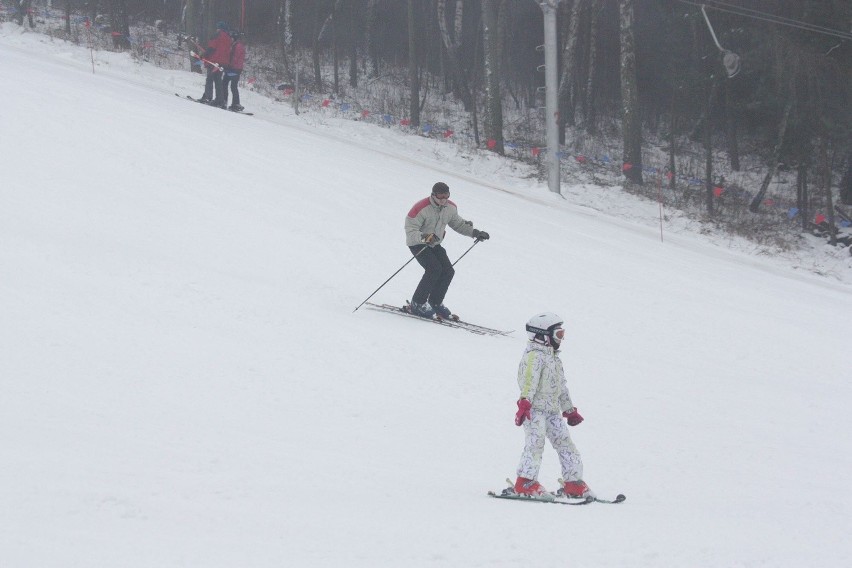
(183, 381)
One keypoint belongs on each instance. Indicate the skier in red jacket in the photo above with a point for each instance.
(233, 69)
(218, 51)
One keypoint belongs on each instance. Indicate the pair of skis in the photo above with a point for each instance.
(204, 102)
(558, 498)
(452, 321)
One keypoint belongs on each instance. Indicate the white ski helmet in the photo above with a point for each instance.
(544, 325)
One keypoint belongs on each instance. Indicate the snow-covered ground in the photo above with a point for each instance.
(183, 381)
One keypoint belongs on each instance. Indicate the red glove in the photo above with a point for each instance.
(523, 411)
(573, 417)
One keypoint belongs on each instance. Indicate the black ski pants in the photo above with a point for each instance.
(214, 81)
(231, 78)
(439, 273)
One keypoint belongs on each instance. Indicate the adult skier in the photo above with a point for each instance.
(425, 229)
(219, 52)
(543, 404)
(233, 69)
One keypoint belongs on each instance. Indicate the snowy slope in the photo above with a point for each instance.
(184, 382)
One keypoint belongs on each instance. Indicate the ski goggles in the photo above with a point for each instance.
(557, 334)
(441, 198)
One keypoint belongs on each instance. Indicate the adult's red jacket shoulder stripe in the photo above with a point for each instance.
(418, 207)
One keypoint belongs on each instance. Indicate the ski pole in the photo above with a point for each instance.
(476, 242)
(198, 57)
(389, 279)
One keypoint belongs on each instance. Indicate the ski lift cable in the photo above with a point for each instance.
(763, 16)
(768, 17)
(773, 17)
(800, 25)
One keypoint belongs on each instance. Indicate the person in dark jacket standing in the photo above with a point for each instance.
(218, 51)
(425, 228)
(233, 70)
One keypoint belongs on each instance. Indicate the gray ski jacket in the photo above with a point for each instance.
(426, 217)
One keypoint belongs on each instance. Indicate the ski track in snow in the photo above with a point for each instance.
(184, 382)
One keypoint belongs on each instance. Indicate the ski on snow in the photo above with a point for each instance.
(554, 498)
(204, 103)
(453, 321)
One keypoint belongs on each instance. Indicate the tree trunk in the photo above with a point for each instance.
(285, 36)
(24, 7)
(569, 71)
(120, 24)
(93, 11)
(453, 47)
(372, 20)
(353, 45)
(208, 20)
(825, 167)
(414, 20)
(802, 199)
(590, 110)
(776, 155)
(673, 140)
(731, 130)
(491, 10)
(631, 119)
(475, 88)
(319, 27)
(68, 18)
(335, 44)
(192, 27)
(846, 182)
(708, 153)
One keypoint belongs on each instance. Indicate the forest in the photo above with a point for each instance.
(726, 81)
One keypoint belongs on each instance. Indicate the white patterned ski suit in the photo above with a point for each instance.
(542, 381)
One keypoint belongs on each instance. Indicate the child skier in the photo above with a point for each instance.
(544, 401)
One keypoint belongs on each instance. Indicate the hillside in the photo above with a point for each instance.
(185, 382)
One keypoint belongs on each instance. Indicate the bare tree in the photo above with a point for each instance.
(491, 13)
(322, 17)
(846, 182)
(568, 76)
(120, 24)
(731, 130)
(708, 149)
(335, 45)
(68, 17)
(285, 34)
(825, 171)
(590, 108)
(372, 49)
(25, 7)
(415, 12)
(631, 119)
(786, 68)
(353, 45)
(776, 155)
(453, 44)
